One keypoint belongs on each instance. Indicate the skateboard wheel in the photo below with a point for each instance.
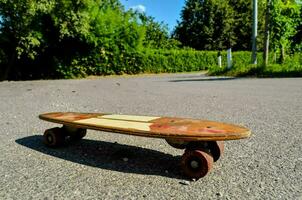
(79, 134)
(217, 149)
(196, 163)
(178, 144)
(53, 137)
(74, 133)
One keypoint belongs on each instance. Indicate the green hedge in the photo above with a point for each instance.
(159, 61)
(171, 61)
(148, 61)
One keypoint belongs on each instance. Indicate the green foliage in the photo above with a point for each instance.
(104, 34)
(145, 61)
(285, 18)
(167, 61)
(240, 65)
(159, 61)
(297, 39)
(19, 27)
(44, 38)
(116, 35)
(67, 39)
(19, 33)
(213, 25)
(292, 67)
(242, 26)
(205, 25)
(157, 34)
(171, 61)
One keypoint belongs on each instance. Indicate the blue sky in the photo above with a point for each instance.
(167, 11)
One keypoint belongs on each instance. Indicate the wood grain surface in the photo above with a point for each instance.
(150, 126)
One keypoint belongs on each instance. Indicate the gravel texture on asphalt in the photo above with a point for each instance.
(113, 166)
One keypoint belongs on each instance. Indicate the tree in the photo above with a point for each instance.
(206, 25)
(211, 25)
(242, 26)
(19, 31)
(46, 37)
(284, 22)
(157, 34)
(116, 34)
(297, 39)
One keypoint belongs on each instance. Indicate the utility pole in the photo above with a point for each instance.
(229, 54)
(266, 37)
(229, 58)
(254, 36)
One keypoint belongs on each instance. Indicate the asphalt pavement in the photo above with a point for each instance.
(112, 166)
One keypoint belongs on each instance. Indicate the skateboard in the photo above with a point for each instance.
(202, 140)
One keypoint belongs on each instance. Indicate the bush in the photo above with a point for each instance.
(291, 67)
(145, 61)
(241, 65)
(171, 61)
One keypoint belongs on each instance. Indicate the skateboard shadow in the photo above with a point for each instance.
(111, 156)
(203, 79)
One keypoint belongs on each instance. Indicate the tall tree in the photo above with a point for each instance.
(44, 36)
(156, 33)
(216, 24)
(242, 25)
(297, 39)
(20, 34)
(284, 22)
(206, 25)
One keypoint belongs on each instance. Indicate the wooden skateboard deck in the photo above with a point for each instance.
(201, 139)
(148, 126)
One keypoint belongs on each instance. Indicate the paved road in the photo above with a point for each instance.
(266, 166)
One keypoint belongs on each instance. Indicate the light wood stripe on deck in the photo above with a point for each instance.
(141, 126)
(130, 118)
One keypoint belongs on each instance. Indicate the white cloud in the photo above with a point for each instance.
(139, 8)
